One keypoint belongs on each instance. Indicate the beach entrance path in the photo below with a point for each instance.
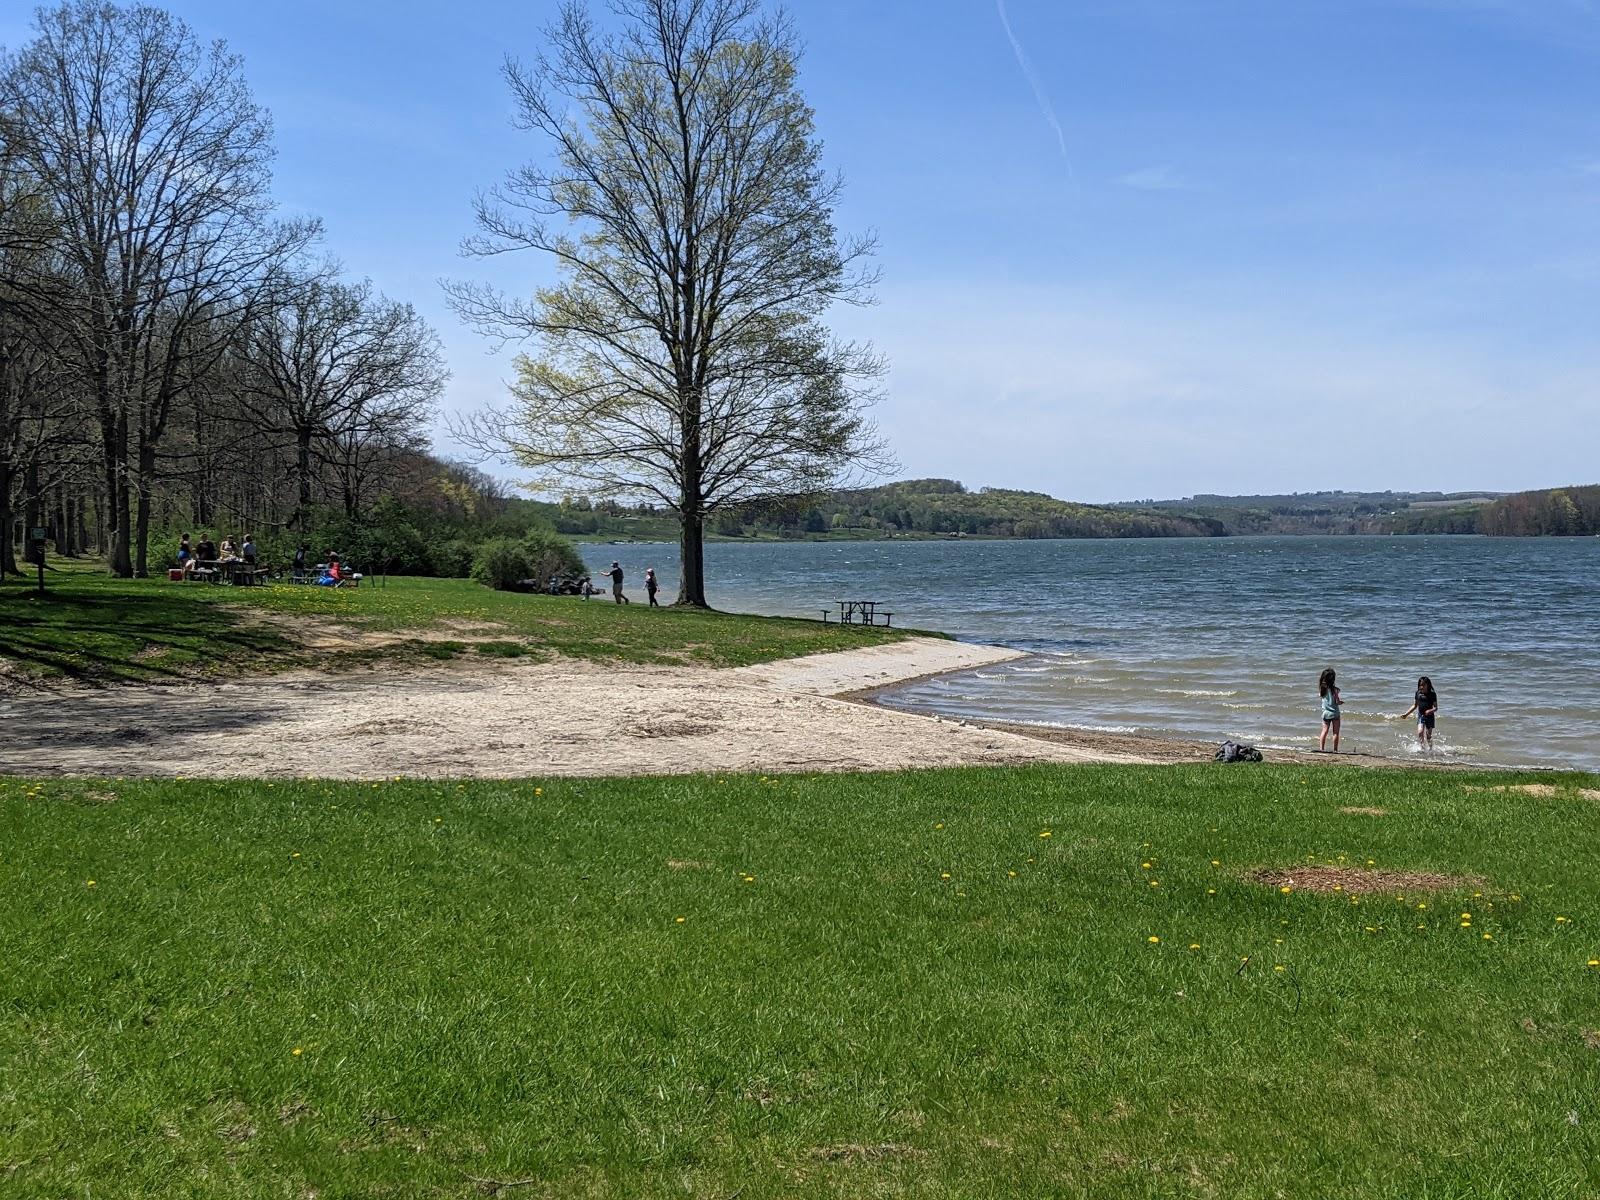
(515, 720)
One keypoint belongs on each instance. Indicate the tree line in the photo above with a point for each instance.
(1553, 512)
(173, 352)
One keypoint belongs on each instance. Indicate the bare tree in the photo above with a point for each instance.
(682, 356)
(154, 160)
(340, 372)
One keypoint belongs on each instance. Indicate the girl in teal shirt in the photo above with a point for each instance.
(1330, 708)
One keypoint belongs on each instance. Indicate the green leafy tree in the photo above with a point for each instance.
(682, 356)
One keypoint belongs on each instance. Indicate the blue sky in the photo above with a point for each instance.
(1176, 246)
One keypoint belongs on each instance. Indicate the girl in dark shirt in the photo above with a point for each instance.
(1426, 705)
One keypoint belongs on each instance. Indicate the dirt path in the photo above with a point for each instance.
(519, 719)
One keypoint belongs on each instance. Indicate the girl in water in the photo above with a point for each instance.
(1330, 708)
(1426, 705)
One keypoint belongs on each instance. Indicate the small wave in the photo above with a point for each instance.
(1205, 692)
(1081, 727)
(1091, 679)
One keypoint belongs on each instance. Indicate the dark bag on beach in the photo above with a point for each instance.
(1231, 752)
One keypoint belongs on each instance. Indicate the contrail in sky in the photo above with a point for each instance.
(1045, 108)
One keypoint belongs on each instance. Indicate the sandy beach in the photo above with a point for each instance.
(515, 719)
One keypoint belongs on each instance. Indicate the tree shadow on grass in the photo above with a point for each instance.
(97, 637)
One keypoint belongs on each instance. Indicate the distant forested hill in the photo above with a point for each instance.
(1334, 512)
(1554, 512)
(935, 507)
(946, 508)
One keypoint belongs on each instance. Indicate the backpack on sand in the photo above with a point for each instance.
(1232, 752)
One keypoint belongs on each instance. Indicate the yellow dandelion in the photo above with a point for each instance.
(1145, 865)
(88, 883)
(939, 825)
(1011, 874)
(1194, 945)
(538, 791)
(1153, 940)
(1338, 887)
(1155, 883)
(1594, 962)
(1466, 924)
(1561, 920)
(680, 920)
(1211, 891)
(944, 874)
(1422, 905)
(1044, 833)
(1372, 862)
(1280, 967)
(1286, 889)
(1216, 862)
(1488, 937)
(296, 854)
(1466, 916)
(297, 1052)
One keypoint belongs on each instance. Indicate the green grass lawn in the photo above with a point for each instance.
(875, 985)
(95, 628)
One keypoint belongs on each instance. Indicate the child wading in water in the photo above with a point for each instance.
(1426, 705)
(1330, 709)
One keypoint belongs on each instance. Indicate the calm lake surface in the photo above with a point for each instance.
(1223, 637)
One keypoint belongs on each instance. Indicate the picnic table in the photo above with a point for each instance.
(860, 612)
(233, 571)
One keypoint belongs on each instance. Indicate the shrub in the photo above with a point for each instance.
(500, 563)
(540, 556)
(452, 559)
(549, 554)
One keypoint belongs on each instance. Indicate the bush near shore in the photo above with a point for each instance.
(1029, 983)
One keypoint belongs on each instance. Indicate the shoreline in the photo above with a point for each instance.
(1156, 748)
(529, 720)
(819, 713)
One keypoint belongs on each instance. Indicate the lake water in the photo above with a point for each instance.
(1224, 637)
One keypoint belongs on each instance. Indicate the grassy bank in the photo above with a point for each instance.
(95, 628)
(978, 983)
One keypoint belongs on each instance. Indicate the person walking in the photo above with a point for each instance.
(651, 586)
(1426, 705)
(616, 583)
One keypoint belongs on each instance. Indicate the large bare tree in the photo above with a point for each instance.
(154, 160)
(683, 355)
(338, 371)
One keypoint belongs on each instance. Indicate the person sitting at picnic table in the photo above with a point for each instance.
(332, 576)
(185, 552)
(205, 551)
(248, 550)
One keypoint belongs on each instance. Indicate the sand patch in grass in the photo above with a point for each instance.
(1361, 810)
(1542, 790)
(1356, 881)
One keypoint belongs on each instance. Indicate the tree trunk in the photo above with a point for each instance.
(692, 571)
(8, 551)
(147, 474)
(114, 440)
(302, 469)
(58, 522)
(33, 511)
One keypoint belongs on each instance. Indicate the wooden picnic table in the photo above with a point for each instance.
(861, 612)
(233, 571)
